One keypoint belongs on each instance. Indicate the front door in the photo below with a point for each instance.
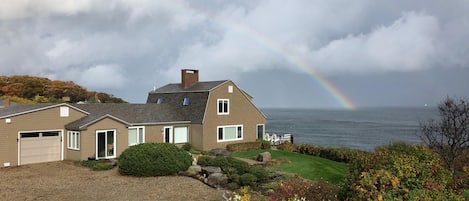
(105, 144)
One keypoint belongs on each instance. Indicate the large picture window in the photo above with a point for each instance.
(136, 135)
(180, 135)
(230, 133)
(223, 106)
(73, 140)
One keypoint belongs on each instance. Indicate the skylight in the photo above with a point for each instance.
(159, 101)
(186, 101)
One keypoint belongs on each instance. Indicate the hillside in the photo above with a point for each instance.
(31, 89)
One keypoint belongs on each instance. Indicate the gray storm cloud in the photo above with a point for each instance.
(145, 43)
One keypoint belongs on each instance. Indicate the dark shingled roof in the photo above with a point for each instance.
(196, 87)
(130, 114)
(23, 108)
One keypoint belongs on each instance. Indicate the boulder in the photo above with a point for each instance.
(194, 170)
(217, 180)
(264, 157)
(220, 152)
(208, 170)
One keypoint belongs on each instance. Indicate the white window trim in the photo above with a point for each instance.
(70, 134)
(174, 135)
(218, 107)
(137, 127)
(230, 89)
(114, 144)
(237, 139)
(170, 134)
(64, 111)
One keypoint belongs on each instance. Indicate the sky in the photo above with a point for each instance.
(291, 54)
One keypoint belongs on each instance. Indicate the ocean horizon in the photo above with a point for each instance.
(363, 128)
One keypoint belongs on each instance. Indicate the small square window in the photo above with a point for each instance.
(64, 111)
(230, 89)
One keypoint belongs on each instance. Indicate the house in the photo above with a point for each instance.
(206, 114)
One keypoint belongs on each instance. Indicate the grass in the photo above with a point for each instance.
(309, 167)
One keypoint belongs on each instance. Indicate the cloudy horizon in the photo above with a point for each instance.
(375, 53)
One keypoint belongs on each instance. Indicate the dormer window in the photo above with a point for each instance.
(186, 101)
(159, 101)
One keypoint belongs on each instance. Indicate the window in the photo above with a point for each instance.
(230, 133)
(159, 101)
(136, 135)
(64, 111)
(105, 144)
(73, 140)
(180, 135)
(260, 131)
(230, 89)
(186, 101)
(223, 106)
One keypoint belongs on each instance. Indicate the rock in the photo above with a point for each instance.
(217, 180)
(194, 170)
(208, 170)
(220, 152)
(264, 157)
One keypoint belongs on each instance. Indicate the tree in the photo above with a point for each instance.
(449, 136)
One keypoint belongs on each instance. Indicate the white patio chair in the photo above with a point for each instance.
(266, 137)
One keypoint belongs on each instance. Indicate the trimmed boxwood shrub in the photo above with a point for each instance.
(244, 146)
(153, 159)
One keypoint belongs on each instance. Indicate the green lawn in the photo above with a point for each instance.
(309, 167)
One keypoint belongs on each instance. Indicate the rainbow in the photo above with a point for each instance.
(257, 37)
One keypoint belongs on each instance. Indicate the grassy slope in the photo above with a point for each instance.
(309, 167)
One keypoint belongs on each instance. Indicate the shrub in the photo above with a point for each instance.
(244, 146)
(261, 174)
(98, 165)
(400, 171)
(296, 187)
(187, 147)
(287, 146)
(264, 144)
(232, 186)
(248, 179)
(152, 159)
(225, 163)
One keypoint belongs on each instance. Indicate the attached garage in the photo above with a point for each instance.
(39, 146)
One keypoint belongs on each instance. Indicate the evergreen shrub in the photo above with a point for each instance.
(153, 159)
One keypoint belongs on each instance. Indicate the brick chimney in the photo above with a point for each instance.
(6, 103)
(189, 77)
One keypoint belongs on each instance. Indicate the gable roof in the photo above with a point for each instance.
(128, 114)
(196, 87)
(21, 109)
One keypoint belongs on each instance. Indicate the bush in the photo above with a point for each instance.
(400, 171)
(225, 163)
(264, 144)
(98, 165)
(152, 159)
(261, 173)
(248, 179)
(187, 147)
(287, 146)
(296, 187)
(244, 146)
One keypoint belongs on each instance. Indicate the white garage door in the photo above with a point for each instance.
(38, 147)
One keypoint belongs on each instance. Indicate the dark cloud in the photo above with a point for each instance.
(127, 47)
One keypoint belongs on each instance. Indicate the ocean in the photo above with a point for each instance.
(362, 129)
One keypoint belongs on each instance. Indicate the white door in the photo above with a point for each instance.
(39, 147)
